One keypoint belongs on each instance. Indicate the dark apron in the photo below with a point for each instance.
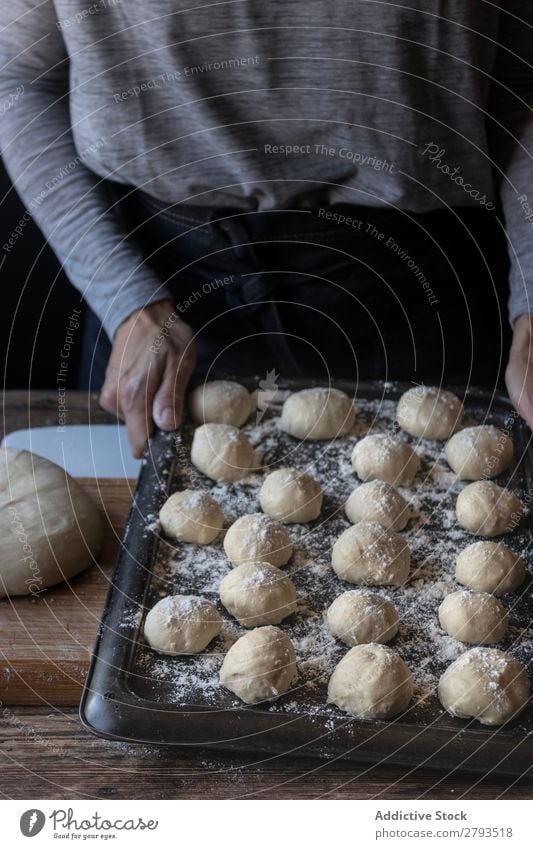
(388, 295)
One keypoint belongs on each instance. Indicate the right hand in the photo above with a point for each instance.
(152, 359)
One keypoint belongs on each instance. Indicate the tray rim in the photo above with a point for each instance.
(109, 708)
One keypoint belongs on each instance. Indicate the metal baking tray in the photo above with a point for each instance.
(133, 694)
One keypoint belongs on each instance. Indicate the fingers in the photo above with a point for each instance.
(135, 399)
(169, 398)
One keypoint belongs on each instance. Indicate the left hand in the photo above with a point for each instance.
(519, 372)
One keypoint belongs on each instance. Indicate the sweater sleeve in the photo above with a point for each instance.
(66, 199)
(510, 127)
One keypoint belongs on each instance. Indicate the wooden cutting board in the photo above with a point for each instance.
(46, 642)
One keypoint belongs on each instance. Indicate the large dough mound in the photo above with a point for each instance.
(320, 413)
(486, 684)
(429, 412)
(49, 528)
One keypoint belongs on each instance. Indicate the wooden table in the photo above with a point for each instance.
(45, 753)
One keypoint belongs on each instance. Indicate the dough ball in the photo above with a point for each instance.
(485, 508)
(486, 684)
(260, 666)
(291, 496)
(222, 402)
(50, 530)
(223, 452)
(380, 456)
(320, 413)
(371, 682)
(368, 554)
(182, 624)
(429, 412)
(191, 516)
(258, 537)
(360, 617)
(479, 452)
(258, 593)
(478, 618)
(377, 501)
(490, 567)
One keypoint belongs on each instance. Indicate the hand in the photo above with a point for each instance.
(519, 372)
(152, 359)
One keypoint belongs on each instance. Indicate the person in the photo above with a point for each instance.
(305, 189)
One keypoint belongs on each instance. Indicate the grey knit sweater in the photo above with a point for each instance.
(262, 104)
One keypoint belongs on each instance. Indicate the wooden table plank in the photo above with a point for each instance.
(48, 755)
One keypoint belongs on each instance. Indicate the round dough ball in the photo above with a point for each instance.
(260, 666)
(486, 684)
(490, 567)
(371, 682)
(191, 516)
(479, 452)
(360, 617)
(258, 593)
(368, 554)
(320, 413)
(473, 617)
(380, 456)
(377, 501)
(258, 537)
(182, 624)
(223, 452)
(485, 508)
(429, 412)
(289, 496)
(222, 402)
(50, 530)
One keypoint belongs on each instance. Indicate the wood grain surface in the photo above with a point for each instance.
(45, 753)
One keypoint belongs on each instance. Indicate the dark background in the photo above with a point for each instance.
(37, 300)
